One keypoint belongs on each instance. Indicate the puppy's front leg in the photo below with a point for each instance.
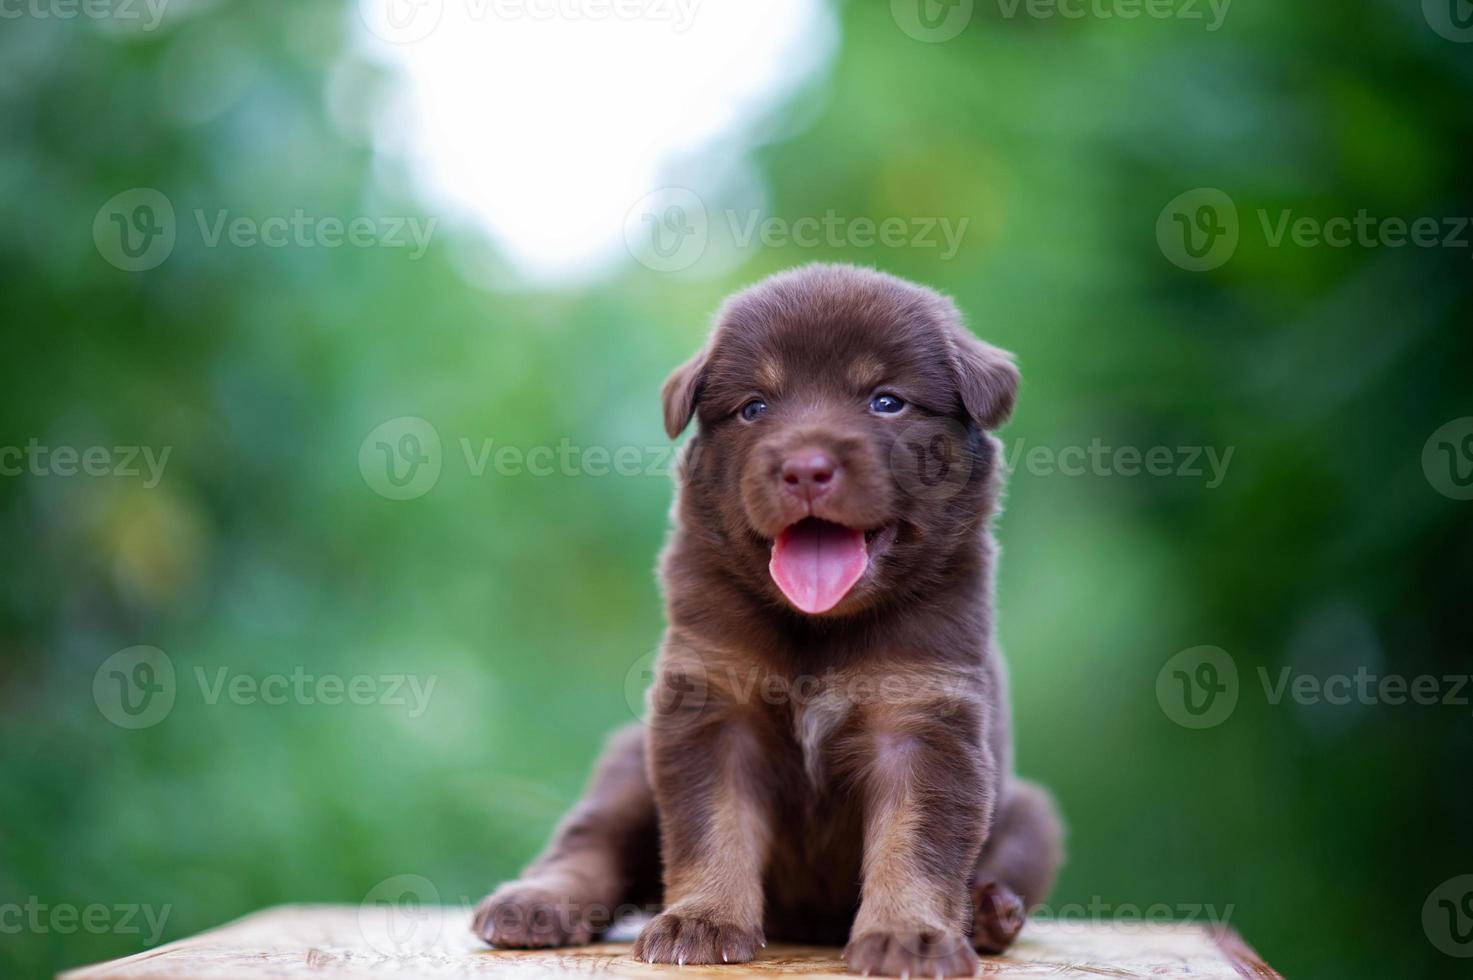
(715, 829)
(927, 793)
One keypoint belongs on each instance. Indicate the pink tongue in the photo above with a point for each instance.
(816, 563)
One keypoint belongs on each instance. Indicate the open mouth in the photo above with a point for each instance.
(816, 562)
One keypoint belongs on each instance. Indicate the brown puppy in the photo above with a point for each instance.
(827, 753)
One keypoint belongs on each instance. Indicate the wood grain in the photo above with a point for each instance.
(341, 941)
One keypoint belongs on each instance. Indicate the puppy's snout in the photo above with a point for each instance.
(809, 474)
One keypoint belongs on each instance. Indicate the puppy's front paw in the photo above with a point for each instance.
(523, 915)
(911, 953)
(680, 938)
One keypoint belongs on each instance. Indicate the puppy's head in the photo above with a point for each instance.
(842, 455)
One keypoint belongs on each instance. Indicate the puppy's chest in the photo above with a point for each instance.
(837, 725)
(819, 720)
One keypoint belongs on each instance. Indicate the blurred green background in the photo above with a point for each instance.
(1319, 830)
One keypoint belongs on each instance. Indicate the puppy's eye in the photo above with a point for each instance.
(753, 410)
(885, 404)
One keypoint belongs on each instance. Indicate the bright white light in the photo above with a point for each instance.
(547, 120)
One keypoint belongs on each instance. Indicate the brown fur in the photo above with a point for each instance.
(831, 776)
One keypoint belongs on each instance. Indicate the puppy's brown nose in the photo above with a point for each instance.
(810, 473)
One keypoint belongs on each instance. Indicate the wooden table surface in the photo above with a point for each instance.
(340, 941)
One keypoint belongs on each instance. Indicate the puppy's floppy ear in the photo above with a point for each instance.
(681, 390)
(987, 379)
